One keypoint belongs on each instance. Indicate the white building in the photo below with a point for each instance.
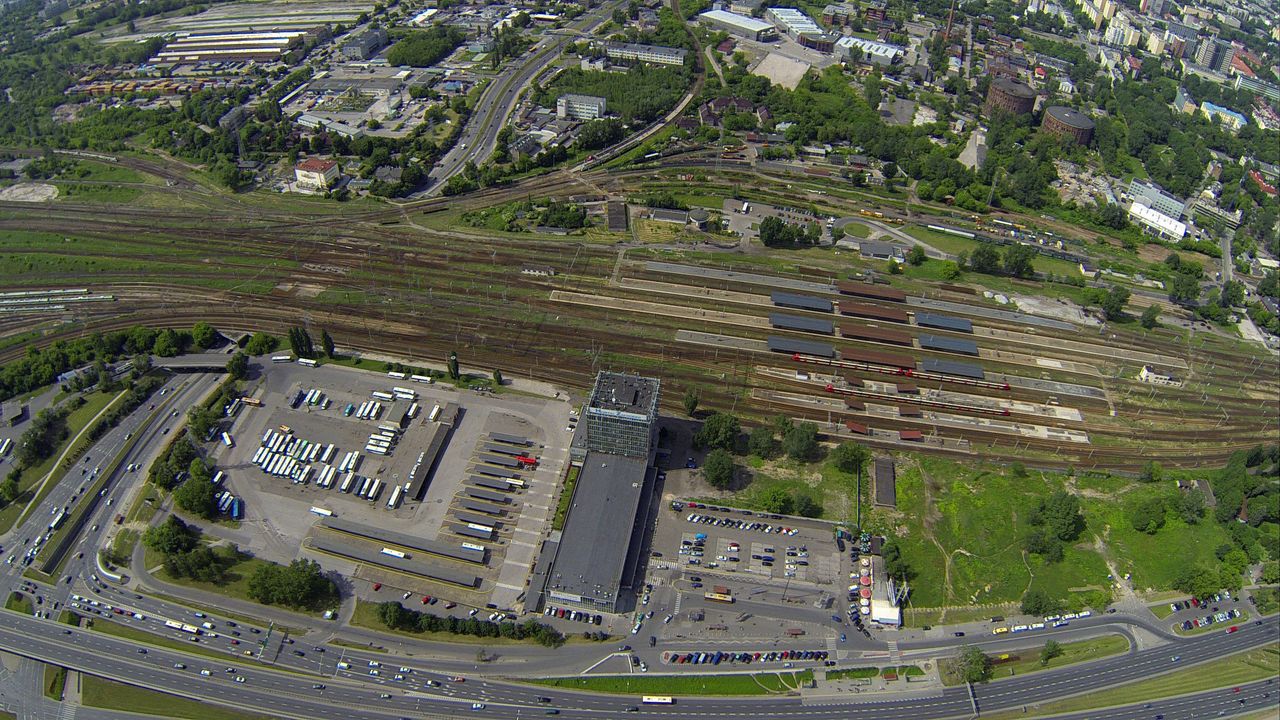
(857, 49)
(1156, 199)
(656, 54)
(1157, 222)
(316, 174)
(792, 22)
(580, 107)
(739, 25)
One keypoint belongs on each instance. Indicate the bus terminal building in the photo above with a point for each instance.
(597, 557)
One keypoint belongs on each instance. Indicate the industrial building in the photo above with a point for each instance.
(364, 45)
(1010, 96)
(856, 49)
(1065, 122)
(655, 54)
(739, 25)
(1153, 197)
(1156, 222)
(791, 22)
(228, 46)
(598, 553)
(580, 107)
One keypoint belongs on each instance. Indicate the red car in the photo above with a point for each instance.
(377, 587)
(1232, 629)
(426, 599)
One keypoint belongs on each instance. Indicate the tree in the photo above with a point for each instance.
(951, 270)
(1150, 317)
(203, 335)
(718, 469)
(1017, 260)
(497, 377)
(761, 443)
(238, 366)
(196, 495)
(721, 430)
(1050, 651)
(200, 420)
(300, 342)
(301, 584)
(453, 366)
(804, 504)
(776, 500)
(170, 537)
(326, 343)
(1185, 289)
(166, 344)
(801, 441)
(895, 566)
(985, 259)
(1037, 602)
(1270, 573)
(1197, 580)
(424, 48)
(916, 256)
(1148, 515)
(1232, 294)
(850, 457)
(973, 665)
(1190, 506)
(1152, 472)
(1114, 302)
(1040, 542)
(691, 399)
(1061, 515)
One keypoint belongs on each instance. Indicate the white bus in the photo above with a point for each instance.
(322, 512)
(282, 359)
(313, 452)
(390, 428)
(364, 487)
(394, 501)
(355, 461)
(397, 375)
(380, 395)
(473, 546)
(412, 412)
(481, 528)
(218, 477)
(393, 553)
(226, 440)
(374, 491)
(375, 411)
(422, 379)
(435, 413)
(257, 455)
(375, 450)
(404, 391)
(346, 483)
(307, 361)
(327, 455)
(4, 446)
(659, 699)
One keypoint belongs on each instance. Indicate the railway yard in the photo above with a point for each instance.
(908, 364)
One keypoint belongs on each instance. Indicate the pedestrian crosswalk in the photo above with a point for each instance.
(679, 600)
(67, 711)
(894, 655)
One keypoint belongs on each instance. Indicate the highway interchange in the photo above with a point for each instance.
(284, 681)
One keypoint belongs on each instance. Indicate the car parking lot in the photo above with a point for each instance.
(1194, 613)
(716, 657)
(727, 540)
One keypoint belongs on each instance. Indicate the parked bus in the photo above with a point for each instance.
(282, 359)
(658, 700)
(473, 546)
(481, 528)
(404, 391)
(226, 440)
(350, 408)
(397, 375)
(375, 450)
(389, 428)
(374, 491)
(307, 361)
(327, 455)
(364, 487)
(218, 477)
(394, 501)
(435, 413)
(422, 379)
(346, 483)
(4, 446)
(412, 412)
(237, 509)
(393, 552)
(380, 395)
(322, 512)
(254, 402)
(718, 597)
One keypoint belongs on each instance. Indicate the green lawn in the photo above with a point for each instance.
(101, 693)
(69, 618)
(857, 229)
(566, 496)
(240, 567)
(55, 681)
(677, 685)
(1232, 670)
(955, 245)
(366, 616)
(1028, 661)
(142, 511)
(19, 603)
(1161, 610)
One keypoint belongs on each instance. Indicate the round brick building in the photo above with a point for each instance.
(1010, 96)
(1065, 122)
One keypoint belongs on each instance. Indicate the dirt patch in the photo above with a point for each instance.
(1055, 308)
(29, 192)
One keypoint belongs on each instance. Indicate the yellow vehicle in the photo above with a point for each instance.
(286, 429)
(1000, 631)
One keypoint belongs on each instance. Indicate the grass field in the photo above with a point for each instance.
(856, 229)
(142, 511)
(55, 682)
(1232, 670)
(853, 673)
(955, 245)
(756, 684)
(101, 693)
(1028, 661)
(240, 567)
(19, 603)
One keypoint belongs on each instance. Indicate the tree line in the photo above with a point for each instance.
(397, 617)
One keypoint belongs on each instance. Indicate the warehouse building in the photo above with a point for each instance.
(598, 553)
(655, 54)
(580, 107)
(739, 25)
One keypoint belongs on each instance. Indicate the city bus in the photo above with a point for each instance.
(422, 379)
(658, 700)
(385, 396)
(226, 440)
(397, 375)
(718, 597)
(282, 359)
(307, 361)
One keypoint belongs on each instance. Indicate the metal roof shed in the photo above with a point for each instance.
(802, 324)
(803, 347)
(951, 367)
(801, 302)
(943, 322)
(946, 344)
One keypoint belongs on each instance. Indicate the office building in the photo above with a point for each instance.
(655, 54)
(622, 414)
(580, 107)
(1157, 223)
(364, 45)
(1156, 199)
(1230, 119)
